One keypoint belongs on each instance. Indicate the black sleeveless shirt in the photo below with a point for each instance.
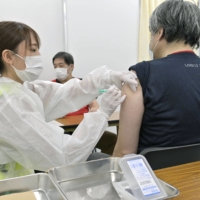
(171, 91)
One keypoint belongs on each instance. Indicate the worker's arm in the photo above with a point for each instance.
(131, 114)
(28, 140)
(60, 99)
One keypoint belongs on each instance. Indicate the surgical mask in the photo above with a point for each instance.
(61, 73)
(151, 51)
(151, 54)
(33, 69)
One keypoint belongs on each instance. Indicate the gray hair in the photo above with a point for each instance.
(180, 21)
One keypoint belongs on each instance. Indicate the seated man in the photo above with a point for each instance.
(165, 110)
(64, 64)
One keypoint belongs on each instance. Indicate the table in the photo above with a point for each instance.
(71, 122)
(186, 178)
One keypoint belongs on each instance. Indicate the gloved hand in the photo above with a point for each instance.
(110, 101)
(128, 77)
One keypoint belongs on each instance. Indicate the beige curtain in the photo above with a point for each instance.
(146, 9)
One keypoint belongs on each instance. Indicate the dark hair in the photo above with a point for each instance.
(180, 21)
(12, 34)
(68, 58)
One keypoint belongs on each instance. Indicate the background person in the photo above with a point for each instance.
(64, 65)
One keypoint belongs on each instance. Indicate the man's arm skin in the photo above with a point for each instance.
(131, 114)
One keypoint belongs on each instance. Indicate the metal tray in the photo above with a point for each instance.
(42, 185)
(86, 175)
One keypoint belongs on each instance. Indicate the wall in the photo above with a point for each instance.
(99, 31)
(102, 32)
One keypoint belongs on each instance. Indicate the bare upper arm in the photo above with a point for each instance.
(131, 114)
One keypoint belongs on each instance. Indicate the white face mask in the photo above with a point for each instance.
(33, 69)
(61, 73)
(151, 51)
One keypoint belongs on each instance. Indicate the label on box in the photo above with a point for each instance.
(143, 177)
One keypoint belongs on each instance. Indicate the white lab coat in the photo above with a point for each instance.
(27, 138)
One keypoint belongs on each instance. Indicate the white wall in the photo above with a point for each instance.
(99, 31)
(102, 32)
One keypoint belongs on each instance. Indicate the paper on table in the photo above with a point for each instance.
(19, 196)
(55, 123)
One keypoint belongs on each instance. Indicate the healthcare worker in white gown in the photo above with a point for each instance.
(27, 140)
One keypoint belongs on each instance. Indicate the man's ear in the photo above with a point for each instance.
(7, 57)
(72, 67)
(160, 33)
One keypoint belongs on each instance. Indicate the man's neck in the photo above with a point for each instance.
(173, 47)
(67, 79)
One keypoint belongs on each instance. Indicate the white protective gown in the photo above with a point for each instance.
(28, 141)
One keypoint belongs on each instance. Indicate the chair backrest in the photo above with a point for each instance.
(162, 157)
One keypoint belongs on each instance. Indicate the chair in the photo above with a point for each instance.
(162, 157)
